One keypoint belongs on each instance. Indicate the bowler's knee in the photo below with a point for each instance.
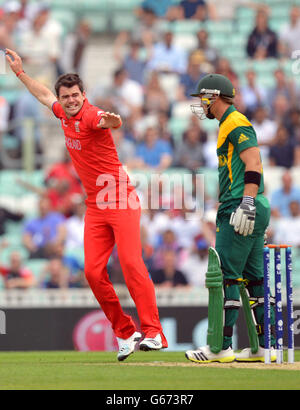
(94, 272)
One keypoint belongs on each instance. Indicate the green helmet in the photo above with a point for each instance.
(215, 84)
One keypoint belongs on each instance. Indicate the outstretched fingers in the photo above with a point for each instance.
(14, 60)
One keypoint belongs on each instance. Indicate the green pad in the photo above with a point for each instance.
(250, 319)
(214, 284)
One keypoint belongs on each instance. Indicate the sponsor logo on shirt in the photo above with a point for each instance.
(77, 129)
(73, 144)
(243, 138)
(222, 160)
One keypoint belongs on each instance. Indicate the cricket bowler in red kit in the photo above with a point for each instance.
(113, 208)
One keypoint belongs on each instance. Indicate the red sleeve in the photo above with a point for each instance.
(57, 109)
(93, 116)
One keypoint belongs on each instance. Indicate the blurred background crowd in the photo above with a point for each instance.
(142, 59)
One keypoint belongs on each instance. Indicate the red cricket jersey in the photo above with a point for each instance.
(95, 157)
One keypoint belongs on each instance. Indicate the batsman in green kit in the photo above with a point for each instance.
(235, 268)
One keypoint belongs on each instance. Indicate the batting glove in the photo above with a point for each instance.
(243, 218)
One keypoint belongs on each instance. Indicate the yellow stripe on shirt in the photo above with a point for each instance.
(234, 120)
(230, 154)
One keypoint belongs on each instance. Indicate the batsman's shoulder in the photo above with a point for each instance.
(233, 121)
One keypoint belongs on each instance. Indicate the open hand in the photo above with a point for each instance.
(109, 120)
(14, 60)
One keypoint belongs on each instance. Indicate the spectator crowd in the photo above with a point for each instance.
(156, 71)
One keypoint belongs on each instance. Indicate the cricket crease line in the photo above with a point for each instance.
(235, 365)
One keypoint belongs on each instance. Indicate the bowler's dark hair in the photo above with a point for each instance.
(68, 80)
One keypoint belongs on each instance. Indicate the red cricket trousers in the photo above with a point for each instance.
(104, 229)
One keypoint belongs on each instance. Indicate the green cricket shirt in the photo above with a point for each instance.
(235, 135)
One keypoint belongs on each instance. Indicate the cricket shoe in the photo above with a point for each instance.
(127, 346)
(246, 355)
(205, 355)
(152, 343)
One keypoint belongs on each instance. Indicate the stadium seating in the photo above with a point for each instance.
(187, 41)
(182, 109)
(9, 81)
(296, 269)
(211, 127)
(9, 181)
(36, 266)
(97, 20)
(210, 181)
(225, 27)
(66, 17)
(78, 254)
(186, 27)
(9, 87)
(177, 127)
(63, 4)
(94, 5)
(123, 21)
(5, 253)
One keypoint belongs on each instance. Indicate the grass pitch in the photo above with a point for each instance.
(141, 371)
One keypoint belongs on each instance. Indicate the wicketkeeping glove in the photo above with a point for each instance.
(243, 218)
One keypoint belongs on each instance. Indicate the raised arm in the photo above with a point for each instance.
(38, 90)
